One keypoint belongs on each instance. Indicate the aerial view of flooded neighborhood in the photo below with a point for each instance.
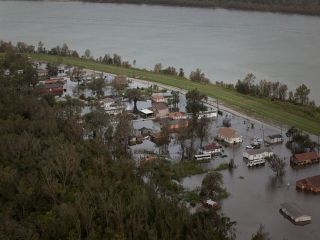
(205, 123)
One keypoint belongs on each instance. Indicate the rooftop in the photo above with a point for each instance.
(275, 136)
(146, 111)
(293, 210)
(306, 156)
(314, 180)
(159, 106)
(227, 132)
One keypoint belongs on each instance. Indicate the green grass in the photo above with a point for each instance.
(261, 108)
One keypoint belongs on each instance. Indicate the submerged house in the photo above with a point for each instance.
(212, 148)
(157, 98)
(311, 184)
(55, 89)
(160, 109)
(294, 213)
(111, 106)
(274, 139)
(177, 115)
(176, 125)
(303, 159)
(229, 135)
(262, 153)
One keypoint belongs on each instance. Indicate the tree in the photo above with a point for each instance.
(283, 89)
(277, 165)
(202, 129)
(134, 94)
(117, 60)
(157, 68)
(65, 50)
(181, 73)
(261, 234)
(198, 76)
(96, 85)
(195, 102)
(301, 94)
(211, 185)
(174, 100)
(87, 54)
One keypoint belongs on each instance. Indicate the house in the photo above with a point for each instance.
(145, 131)
(177, 115)
(274, 139)
(148, 159)
(54, 89)
(6, 72)
(53, 81)
(160, 110)
(262, 153)
(303, 159)
(111, 107)
(176, 125)
(210, 203)
(42, 73)
(157, 98)
(145, 113)
(311, 184)
(157, 137)
(62, 71)
(120, 81)
(229, 135)
(212, 148)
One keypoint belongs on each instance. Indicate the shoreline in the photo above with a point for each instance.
(309, 10)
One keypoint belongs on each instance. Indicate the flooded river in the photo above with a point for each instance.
(224, 44)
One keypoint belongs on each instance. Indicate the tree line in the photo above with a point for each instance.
(273, 90)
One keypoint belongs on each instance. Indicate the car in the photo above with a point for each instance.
(249, 147)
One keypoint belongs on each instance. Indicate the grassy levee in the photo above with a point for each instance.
(261, 108)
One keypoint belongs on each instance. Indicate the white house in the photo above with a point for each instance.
(252, 154)
(111, 107)
(229, 135)
(274, 139)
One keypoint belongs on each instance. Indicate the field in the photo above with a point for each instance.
(261, 108)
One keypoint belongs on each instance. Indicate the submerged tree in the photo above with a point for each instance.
(277, 165)
(134, 94)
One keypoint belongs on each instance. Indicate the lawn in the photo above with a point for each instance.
(261, 108)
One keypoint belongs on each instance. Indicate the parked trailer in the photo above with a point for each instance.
(202, 156)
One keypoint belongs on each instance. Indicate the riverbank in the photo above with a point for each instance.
(305, 9)
(276, 113)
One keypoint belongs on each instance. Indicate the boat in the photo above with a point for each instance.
(202, 157)
(294, 213)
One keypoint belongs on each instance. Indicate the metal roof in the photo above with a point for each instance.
(146, 111)
(293, 210)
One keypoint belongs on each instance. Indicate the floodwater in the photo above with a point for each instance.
(224, 44)
(255, 193)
